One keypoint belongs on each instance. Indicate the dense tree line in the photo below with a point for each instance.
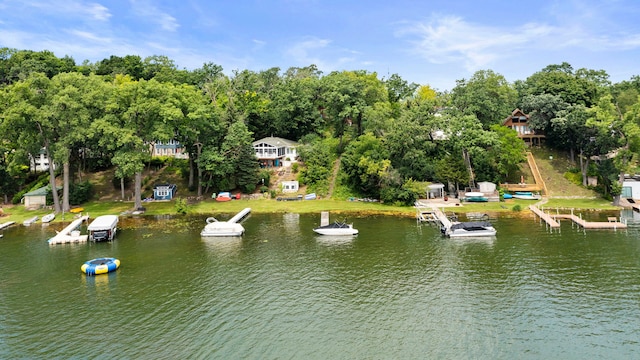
(388, 134)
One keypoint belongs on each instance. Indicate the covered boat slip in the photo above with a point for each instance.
(103, 228)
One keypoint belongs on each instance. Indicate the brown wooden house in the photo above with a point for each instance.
(519, 121)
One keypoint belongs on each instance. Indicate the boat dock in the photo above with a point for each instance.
(67, 234)
(7, 224)
(433, 214)
(552, 222)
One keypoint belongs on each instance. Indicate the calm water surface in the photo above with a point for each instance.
(396, 291)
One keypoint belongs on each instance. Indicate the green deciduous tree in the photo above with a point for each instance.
(487, 95)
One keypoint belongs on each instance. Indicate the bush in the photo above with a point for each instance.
(181, 206)
(516, 207)
(80, 193)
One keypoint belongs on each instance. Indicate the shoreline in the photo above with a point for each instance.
(18, 213)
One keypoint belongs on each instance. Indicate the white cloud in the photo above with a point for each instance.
(85, 35)
(71, 8)
(320, 53)
(152, 14)
(451, 39)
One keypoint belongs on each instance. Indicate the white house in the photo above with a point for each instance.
(275, 152)
(39, 162)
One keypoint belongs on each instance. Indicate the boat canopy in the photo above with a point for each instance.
(104, 222)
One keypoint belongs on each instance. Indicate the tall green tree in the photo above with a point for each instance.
(486, 95)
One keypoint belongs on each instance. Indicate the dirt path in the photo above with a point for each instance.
(336, 168)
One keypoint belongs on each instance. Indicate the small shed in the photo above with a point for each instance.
(164, 191)
(630, 189)
(435, 191)
(486, 187)
(36, 199)
(290, 186)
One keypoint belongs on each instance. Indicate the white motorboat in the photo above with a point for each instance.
(103, 228)
(225, 228)
(48, 218)
(337, 228)
(470, 229)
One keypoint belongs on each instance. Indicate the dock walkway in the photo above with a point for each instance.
(592, 224)
(544, 216)
(551, 220)
(433, 214)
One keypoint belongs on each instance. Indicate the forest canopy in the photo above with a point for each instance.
(388, 134)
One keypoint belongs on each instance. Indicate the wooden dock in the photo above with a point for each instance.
(432, 214)
(552, 222)
(545, 217)
(592, 224)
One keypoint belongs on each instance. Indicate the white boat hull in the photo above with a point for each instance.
(335, 232)
(477, 233)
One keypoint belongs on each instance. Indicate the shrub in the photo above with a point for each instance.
(181, 206)
(516, 207)
(80, 192)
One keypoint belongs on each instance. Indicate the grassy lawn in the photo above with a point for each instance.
(553, 166)
(563, 194)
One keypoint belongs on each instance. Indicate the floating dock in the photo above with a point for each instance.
(227, 228)
(67, 235)
(7, 224)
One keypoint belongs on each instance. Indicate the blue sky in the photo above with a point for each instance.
(430, 42)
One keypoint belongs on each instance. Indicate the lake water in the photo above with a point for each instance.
(396, 291)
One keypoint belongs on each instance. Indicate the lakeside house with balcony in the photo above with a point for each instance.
(275, 152)
(519, 121)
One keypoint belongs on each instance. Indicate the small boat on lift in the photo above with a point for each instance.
(103, 228)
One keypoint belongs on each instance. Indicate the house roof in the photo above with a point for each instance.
(275, 142)
(38, 192)
(515, 113)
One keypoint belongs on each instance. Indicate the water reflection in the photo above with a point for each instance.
(227, 245)
(335, 240)
(487, 240)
